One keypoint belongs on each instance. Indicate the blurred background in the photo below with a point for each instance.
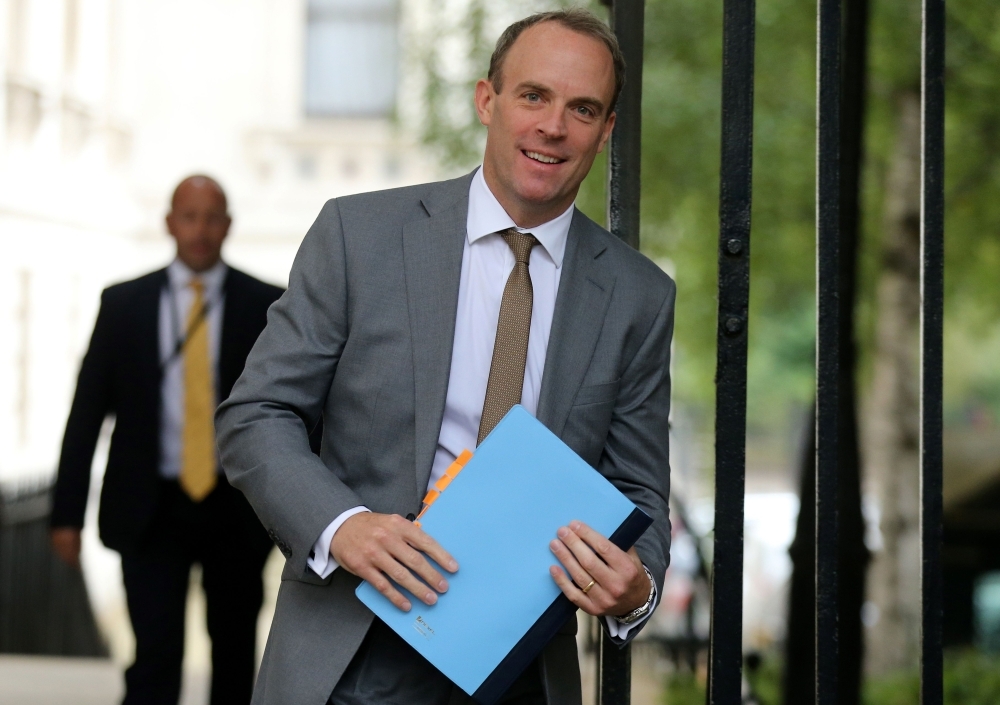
(107, 104)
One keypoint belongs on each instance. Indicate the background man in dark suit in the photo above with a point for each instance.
(166, 348)
(416, 318)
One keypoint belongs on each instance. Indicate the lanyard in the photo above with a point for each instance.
(175, 324)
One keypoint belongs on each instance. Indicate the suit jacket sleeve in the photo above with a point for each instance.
(91, 403)
(263, 427)
(636, 456)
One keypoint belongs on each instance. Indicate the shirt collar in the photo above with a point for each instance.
(487, 216)
(180, 276)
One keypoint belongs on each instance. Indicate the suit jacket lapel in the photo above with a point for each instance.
(147, 336)
(581, 304)
(432, 259)
(232, 322)
(148, 322)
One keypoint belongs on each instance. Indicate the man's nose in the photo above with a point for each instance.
(204, 225)
(553, 124)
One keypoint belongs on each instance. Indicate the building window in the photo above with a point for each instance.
(352, 52)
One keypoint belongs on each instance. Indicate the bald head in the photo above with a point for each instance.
(199, 183)
(199, 221)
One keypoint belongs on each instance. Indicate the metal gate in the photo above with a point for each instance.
(725, 653)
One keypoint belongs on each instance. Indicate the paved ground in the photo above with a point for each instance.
(36, 680)
(46, 680)
(43, 680)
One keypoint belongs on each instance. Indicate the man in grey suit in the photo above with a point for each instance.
(414, 319)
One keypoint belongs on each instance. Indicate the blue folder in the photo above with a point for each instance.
(497, 518)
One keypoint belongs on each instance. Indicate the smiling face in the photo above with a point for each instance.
(548, 122)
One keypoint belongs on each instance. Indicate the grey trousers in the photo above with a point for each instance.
(387, 671)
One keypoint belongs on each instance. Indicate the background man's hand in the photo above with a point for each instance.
(66, 543)
(377, 547)
(620, 583)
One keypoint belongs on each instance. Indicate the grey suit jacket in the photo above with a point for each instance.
(362, 339)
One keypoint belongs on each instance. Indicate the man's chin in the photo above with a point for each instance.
(540, 194)
(200, 263)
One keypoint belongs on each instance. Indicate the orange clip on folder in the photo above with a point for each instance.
(450, 474)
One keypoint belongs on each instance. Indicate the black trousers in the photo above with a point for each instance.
(388, 671)
(213, 533)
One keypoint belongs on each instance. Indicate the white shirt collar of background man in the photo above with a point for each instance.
(180, 275)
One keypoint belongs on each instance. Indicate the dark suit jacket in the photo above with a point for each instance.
(121, 376)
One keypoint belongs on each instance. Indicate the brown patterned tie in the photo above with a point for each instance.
(510, 351)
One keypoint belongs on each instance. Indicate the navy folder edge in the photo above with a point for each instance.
(546, 627)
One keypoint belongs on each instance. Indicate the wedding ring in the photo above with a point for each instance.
(589, 585)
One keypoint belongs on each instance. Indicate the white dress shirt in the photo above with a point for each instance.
(487, 262)
(176, 300)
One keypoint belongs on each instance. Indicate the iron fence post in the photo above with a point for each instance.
(726, 645)
(931, 342)
(828, 325)
(625, 148)
(614, 664)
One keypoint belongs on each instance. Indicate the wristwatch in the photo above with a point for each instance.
(642, 610)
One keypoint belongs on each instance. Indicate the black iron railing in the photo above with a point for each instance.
(931, 343)
(614, 664)
(726, 646)
(725, 662)
(44, 608)
(828, 351)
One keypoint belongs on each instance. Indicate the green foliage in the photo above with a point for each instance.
(766, 681)
(972, 171)
(450, 124)
(900, 689)
(970, 678)
(680, 168)
(683, 688)
(454, 54)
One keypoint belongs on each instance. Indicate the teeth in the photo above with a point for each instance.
(542, 158)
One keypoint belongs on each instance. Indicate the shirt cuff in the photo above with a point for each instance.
(617, 630)
(320, 560)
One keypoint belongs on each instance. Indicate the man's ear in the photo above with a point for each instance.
(484, 99)
(609, 125)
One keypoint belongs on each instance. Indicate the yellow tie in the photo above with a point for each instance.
(198, 455)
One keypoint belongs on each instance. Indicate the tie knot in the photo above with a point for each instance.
(198, 286)
(519, 243)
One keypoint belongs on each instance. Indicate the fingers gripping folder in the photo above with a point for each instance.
(502, 507)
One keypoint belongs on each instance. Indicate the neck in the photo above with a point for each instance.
(525, 214)
(199, 267)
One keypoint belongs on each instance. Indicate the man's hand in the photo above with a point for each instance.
(66, 543)
(619, 583)
(377, 547)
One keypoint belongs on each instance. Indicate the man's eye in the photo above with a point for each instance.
(533, 97)
(584, 111)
